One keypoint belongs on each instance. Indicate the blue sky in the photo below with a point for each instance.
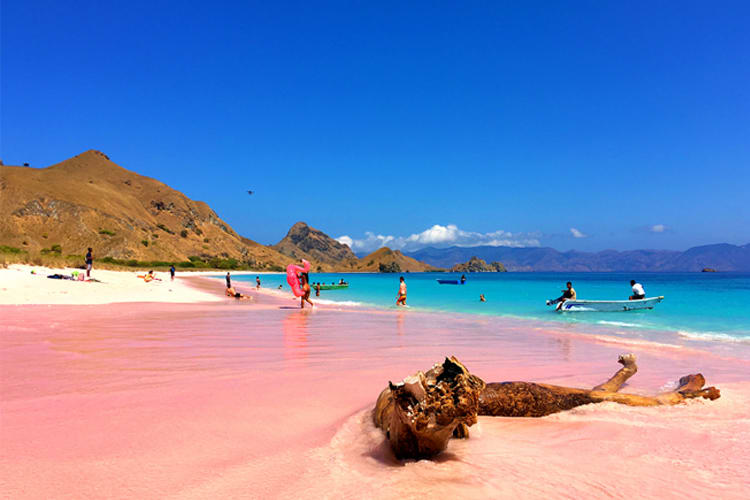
(585, 125)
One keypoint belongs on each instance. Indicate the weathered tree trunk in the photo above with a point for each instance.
(420, 414)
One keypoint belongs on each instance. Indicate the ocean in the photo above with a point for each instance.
(703, 306)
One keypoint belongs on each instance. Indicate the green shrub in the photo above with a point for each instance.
(165, 228)
(144, 243)
(56, 248)
(107, 232)
(183, 233)
(44, 235)
(7, 249)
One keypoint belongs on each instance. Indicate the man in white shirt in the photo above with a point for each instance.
(638, 292)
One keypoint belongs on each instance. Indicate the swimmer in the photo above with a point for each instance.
(401, 297)
(481, 298)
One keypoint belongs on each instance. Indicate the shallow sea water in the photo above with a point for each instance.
(263, 400)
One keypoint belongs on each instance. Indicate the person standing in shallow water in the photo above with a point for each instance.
(171, 272)
(401, 297)
(257, 282)
(305, 281)
(89, 263)
(229, 281)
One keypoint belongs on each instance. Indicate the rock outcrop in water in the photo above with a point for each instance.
(477, 265)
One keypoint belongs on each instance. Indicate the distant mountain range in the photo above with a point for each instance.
(721, 257)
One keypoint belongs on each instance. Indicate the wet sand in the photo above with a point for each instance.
(260, 399)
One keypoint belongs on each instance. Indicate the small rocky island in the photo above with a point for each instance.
(477, 265)
(708, 270)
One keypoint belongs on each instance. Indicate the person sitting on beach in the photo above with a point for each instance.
(568, 294)
(149, 276)
(401, 297)
(305, 282)
(231, 292)
(481, 298)
(638, 291)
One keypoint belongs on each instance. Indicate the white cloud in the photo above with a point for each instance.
(658, 228)
(441, 236)
(345, 240)
(576, 233)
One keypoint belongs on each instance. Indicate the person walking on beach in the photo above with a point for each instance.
(638, 291)
(257, 282)
(305, 281)
(171, 272)
(229, 280)
(89, 262)
(401, 297)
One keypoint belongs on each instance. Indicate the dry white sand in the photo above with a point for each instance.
(19, 286)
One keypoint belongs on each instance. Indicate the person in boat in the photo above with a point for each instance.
(305, 282)
(463, 279)
(342, 282)
(568, 294)
(481, 298)
(401, 297)
(231, 292)
(638, 291)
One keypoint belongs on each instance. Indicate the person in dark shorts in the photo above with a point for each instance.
(257, 282)
(171, 272)
(568, 294)
(89, 262)
(229, 281)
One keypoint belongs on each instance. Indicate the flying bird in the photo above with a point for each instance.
(250, 192)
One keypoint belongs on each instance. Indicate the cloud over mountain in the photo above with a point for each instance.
(440, 236)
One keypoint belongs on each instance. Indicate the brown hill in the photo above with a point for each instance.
(387, 260)
(89, 201)
(305, 242)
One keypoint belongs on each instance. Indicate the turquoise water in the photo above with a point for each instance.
(703, 305)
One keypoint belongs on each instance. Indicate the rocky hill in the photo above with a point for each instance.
(387, 260)
(89, 201)
(305, 242)
(477, 265)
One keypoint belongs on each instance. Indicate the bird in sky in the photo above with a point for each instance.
(250, 192)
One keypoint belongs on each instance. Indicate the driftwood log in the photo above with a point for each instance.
(420, 414)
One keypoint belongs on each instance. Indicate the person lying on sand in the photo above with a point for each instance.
(420, 414)
(149, 277)
(231, 292)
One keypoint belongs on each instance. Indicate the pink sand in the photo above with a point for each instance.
(263, 400)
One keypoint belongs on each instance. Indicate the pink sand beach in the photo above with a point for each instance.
(259, 399)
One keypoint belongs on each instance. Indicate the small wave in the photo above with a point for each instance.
(620, 323)
(715, 336)
(348, 303)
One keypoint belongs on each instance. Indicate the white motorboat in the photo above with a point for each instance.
(609, 305)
